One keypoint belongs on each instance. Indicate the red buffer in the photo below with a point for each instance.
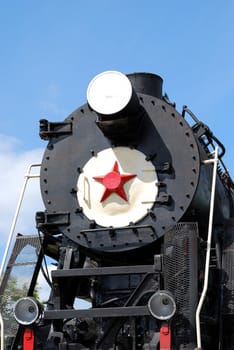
(165, 337)
(28, 339)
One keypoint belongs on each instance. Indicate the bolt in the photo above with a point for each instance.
(79, 210)
(92, 224)
(150, 157)
(151, 213)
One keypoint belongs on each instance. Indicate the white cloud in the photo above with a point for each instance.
(42, 285)
(14, 165)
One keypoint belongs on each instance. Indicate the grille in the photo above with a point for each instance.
(180, 277)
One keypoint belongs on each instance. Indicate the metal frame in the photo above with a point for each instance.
(127, 310)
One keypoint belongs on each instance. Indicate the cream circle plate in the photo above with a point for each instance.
(117, 187)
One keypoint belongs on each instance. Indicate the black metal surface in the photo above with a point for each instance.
(110, 312)
(147, 83)
(104, 271)
(178, 165)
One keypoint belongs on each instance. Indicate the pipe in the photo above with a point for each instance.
(208, 250)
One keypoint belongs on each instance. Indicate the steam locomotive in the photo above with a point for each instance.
(139, 216)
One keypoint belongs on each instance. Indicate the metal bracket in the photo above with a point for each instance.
(164, 199)
(164, 167)
(46, 220)
(54, 129)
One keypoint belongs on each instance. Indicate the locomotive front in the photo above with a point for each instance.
(126, 187)
(124, 168)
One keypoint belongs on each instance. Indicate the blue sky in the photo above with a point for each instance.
(51, 49)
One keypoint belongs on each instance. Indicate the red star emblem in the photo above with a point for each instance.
(113, 182)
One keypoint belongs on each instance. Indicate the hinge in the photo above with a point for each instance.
(54, 129)
(164, 198)
(165, 167)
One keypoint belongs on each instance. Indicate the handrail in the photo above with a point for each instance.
(27, 176)
(208, 250)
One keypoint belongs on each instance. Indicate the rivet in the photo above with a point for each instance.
(92, 224)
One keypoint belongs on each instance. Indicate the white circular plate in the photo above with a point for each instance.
(109, 92)
(117, 187)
